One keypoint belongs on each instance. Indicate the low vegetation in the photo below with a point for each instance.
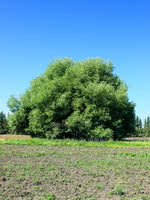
(27, 140)
(67, 169)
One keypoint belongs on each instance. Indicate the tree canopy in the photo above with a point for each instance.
(82, 100)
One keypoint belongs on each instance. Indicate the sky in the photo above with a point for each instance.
(35, 32)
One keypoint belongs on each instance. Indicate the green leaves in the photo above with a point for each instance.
(81, 99)
(13, 103)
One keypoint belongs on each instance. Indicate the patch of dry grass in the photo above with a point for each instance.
(15, 137)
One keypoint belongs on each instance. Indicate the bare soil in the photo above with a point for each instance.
(74, 173)
(15, 137)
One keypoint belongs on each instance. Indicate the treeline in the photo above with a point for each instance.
(142, 129)
(4, 128)
(81, 100)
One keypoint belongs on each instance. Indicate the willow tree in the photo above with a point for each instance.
(83, 100)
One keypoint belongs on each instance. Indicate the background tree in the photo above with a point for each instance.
(147, 127)
(82, 100)
(143, 130)
(139, 127)
(147, 123)
(3, 124)
(138, 122)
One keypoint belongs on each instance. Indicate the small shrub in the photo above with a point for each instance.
(118, 190)
(99, 186)
(49, 196)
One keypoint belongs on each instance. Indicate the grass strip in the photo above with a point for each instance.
(70, 142)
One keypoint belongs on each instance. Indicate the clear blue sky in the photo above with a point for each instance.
(34, 32)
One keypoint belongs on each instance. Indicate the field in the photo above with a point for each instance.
(43, 169)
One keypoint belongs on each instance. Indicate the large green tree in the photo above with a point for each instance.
(82, 100)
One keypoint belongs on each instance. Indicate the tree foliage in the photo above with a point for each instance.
(13, 103)
(3, 124)
(139, 127)
(146, 128)
(143, 129)
(82, 100)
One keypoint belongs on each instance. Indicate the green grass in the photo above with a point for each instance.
(68, 142)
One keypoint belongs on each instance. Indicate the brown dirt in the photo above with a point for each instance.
(15, 137)
(74, 173)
